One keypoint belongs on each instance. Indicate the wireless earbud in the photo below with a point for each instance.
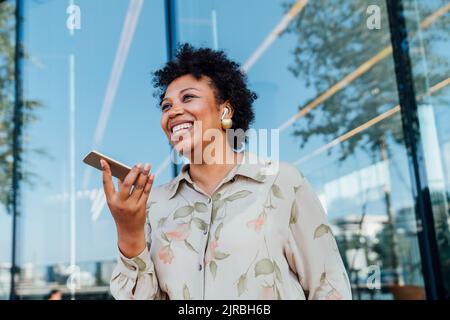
(226, 123)
(225, 112)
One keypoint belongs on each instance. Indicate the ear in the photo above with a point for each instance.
(226, 114)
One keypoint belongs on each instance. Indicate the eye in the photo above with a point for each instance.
(188, 97)
(165, 106)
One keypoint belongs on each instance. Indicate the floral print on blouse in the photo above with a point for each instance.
(262, 235)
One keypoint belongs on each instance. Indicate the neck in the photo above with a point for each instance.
(209, 175)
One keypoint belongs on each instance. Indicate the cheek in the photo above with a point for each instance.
(163, 123)
(212, 120)
(207, 114)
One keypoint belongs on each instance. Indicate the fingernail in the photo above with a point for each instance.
(147, 167)
(102, 163)
(139, 166)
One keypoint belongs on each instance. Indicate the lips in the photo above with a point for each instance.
(172, 124)
(180, 127)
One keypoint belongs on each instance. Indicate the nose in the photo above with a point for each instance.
(175, 111)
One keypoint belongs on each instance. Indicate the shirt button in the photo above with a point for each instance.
(200, 267)
(205, 232)
(209, 200)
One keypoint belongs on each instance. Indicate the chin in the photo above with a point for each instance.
(183, 147)
(188, 150)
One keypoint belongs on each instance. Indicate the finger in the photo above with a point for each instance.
(147, 189)
(140, 184)
(127, 183)
(108, 185)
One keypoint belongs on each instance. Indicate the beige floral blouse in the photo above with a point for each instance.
(262, 235)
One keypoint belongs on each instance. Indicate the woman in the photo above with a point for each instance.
(232, 229)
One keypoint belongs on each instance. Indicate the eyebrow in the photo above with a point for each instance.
(185, 89)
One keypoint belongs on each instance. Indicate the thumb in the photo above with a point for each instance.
(104, 165)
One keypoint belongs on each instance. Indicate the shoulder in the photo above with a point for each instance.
(162, 191)
(160, 194)
(288, 174)
(159, 202)
(278, 172)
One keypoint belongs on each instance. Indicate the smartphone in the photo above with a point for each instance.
(118, 170)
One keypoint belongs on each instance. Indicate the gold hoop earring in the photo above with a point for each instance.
(227, 124)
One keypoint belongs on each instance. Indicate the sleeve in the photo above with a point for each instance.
(135, 278)
(312, 251)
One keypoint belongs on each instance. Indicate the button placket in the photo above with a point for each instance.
(208, 220)
(205, 232)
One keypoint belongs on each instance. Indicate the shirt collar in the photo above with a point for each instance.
(251, 167)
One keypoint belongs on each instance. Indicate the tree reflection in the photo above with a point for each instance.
(7, 54)
(334, 46)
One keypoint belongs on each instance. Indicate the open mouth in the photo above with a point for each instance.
(182, 128)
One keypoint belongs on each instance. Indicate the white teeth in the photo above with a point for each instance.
(179, 127)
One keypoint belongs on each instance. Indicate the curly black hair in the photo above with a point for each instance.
(228, 81)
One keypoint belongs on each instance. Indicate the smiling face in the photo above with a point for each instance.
(189, 105)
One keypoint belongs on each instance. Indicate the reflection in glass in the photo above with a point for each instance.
(430, 56)
(7, 25)
(353, 72)
(324, 79)
(94, 87)
(327, 82)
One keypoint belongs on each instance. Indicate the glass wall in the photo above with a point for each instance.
(325, 76)
(430, 56)
(7, 43)
(87, 76)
